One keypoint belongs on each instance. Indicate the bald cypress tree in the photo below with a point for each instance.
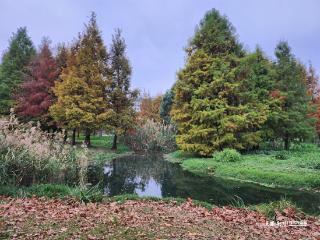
(121, 98)
(61, 58)
(14, 66)
(166, 106)
(293, 120)
(81, 99)
(215, 104)
(35, 92)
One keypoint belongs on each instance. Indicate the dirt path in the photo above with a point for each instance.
(40, 218)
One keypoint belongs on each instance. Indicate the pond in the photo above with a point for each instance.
(151, 175)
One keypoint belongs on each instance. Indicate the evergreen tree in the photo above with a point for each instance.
(292, 121)
(166, 105)
(216, 104)
(204, 87)
(13, 68)
(62, 58)
(81, 99)
(121, 97)
(256, 76)
(216, 36)
(35, 95)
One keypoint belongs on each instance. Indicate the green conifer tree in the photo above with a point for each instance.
(121, 98)
(166, 105)
(14, 63)
(292, 121)
(215, 104)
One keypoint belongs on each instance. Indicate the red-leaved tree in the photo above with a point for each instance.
(35, 93)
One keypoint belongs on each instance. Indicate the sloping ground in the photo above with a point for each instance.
(40, 218)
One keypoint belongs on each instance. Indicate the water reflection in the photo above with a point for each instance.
(152, 176)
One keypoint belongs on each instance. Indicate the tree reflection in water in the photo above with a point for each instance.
(150, 175)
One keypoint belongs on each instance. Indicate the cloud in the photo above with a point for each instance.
(156, 31)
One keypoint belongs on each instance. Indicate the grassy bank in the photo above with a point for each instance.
(104, 142)
(293, 169)
(100, 150)
(91, 194)
(94, 194)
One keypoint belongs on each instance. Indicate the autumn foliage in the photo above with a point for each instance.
(35, 94)
(144, 219)
(149, 108)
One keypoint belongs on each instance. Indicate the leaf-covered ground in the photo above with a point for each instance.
(41, 218)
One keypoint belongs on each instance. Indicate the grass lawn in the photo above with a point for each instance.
(101, 142)
(100, 149)
(300, 168)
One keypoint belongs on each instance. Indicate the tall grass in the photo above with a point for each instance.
(153, 136)
(29, 155)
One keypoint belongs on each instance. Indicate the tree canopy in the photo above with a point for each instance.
(13, 67)
(81, 99)
(227, 98)
(120, 97)
(35, 93)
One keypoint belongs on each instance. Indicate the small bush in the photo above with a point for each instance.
(227, 155)
(269, 209)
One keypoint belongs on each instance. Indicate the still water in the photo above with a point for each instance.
(151, 175)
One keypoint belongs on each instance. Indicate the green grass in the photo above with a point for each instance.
(126, 197)
(269, 209)
(85, 195)
(178, 156)
(299, 169)
(100, 151)
(63, 191)
(104, 142)
(41, 190)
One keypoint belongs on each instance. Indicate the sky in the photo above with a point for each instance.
(156, 31)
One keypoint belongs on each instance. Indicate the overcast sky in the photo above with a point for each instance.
(156, 31)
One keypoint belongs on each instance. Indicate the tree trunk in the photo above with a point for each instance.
(114, 144)
(87, 138)
(286, 143)
(73, 141)
(65, 136)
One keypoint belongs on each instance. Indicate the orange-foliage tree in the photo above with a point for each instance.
(149, 108)
(312, 82)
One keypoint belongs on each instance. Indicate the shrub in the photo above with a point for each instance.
(153, 136)
(227, 155)
(269, 209)
(282, 155)
(92, 194)
(29, 155)
(304, 147)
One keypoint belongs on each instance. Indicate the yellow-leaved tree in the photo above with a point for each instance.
(81, 100)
